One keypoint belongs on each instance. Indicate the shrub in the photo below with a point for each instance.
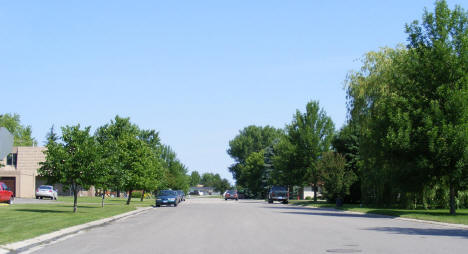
(308, 198)
(136, 194)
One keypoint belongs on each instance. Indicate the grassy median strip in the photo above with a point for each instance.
(23, 221)
(440, 215)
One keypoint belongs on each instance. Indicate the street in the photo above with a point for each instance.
(207, 225)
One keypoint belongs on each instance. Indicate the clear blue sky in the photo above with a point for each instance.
(196, 71)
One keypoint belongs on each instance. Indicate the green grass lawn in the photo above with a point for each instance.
(23, 221)
(441, 215)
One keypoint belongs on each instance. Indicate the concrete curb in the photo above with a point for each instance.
(445, 224)
(53, 236)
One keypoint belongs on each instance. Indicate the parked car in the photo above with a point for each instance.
(6, 195)
(167, 197)
(278, 193)
(46, 191)
(231, 194)
(181, 195)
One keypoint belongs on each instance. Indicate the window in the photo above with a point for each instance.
(12, 159)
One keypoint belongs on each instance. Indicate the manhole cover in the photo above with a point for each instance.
(344, 251)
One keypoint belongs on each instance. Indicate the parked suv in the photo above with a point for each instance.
(278, 193)
(6, 195)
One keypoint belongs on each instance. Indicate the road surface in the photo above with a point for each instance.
(205, 226)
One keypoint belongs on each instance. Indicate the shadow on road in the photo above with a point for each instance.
(338, 214)
(423, 231)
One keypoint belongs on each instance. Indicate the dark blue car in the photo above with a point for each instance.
(167, 197)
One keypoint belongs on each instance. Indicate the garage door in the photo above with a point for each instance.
(10, 182)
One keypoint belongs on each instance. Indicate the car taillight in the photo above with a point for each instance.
(272, 194)
(37, 190)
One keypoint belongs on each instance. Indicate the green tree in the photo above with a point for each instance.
(176, 175)
(130, 156)
(22, 134)
(195, 178)
(71, 160)
(335, 176)
(309, 135)
(438, 51)
(346, 142)
(250, 140)
(412, 106)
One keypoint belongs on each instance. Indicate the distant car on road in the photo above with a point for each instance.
(6, 195)
(231, 194)
(46, 191)
(278, 193)
(181, 195)
(167, 197)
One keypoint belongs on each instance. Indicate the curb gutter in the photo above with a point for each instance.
(24, 245)
(452, 225)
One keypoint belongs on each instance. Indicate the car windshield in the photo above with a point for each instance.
(167, 193)
(45, 187)
(232, 192)
(279, 188)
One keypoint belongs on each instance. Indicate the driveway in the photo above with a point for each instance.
(34, 201)
(218, 226)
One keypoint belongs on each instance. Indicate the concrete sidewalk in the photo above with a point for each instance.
(21, 246)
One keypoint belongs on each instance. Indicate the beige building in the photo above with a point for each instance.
(19, 172)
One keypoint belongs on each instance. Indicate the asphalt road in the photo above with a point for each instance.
(217, 226)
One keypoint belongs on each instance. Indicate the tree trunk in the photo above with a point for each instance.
(142, 195)
(129, 197)
(75, 197)
(103, 196)
(118, 193)
(315, 192)
(452, 199)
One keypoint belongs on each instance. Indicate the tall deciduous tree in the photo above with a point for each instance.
(412, 106)
(71, 160)
(309, 135)
(250, 143)
(195, 178)
(438, 67)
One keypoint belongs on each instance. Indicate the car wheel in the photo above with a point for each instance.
(158, 205)
(40, 197)
(285, 202)
(175, 204)
(11, 200)
(237, 199)
(270, 201)
(37, 197)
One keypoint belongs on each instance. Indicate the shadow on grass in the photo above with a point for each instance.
(41, 211)
(423, 231)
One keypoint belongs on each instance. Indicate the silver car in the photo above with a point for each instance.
(46, 191)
